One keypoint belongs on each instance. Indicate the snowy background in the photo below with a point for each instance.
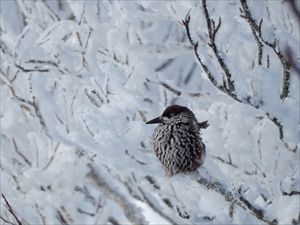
(79, 79)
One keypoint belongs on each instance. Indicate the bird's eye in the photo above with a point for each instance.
(170, 115)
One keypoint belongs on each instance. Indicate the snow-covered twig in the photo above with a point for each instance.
(19, 153)
(213, 46)
(178, 91)
(133, 158)
(229, 162)
(254, 28)
(130, 210)
(155, 208)
(212, 30)
(290, 186)
(277, 123)
(229, 196)
(223, 87)
(51, 159)
(31, 70)
(286, 64)
(182, 212)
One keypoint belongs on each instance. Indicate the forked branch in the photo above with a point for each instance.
(229, 88)
(256, 30)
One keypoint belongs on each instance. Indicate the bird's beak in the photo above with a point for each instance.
(156, 120)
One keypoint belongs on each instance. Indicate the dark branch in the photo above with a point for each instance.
(278, 124)
(212, 30)
(38, 113)
(223, 87)
(186, 22)
(286, 64)
(11, 212)
(31, 70)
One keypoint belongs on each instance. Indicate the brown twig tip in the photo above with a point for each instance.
(260, 24)
(186, 22)
(188, 17)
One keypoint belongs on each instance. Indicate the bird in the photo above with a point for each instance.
(176, 140)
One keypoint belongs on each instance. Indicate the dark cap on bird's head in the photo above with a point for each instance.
(170, 111)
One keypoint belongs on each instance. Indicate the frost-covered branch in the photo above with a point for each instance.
(223, 87)
(130, 210)
(178, 91)
(212, 30)
(155, 208)
(52, 157)
(286, 64)
(290, 186)
(31, 70)
(229, 162)
(229, 196)
(254, 29)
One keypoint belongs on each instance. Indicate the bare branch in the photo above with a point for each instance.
(31, 70)
(277, 123)
(171, 89)
(133, 158)
(212, 33)
(11, 212)
(87, 127)
(38, 113)
(225, 162)
(19, 153)
(88, 38)
(286, 64)
(186, 22)
(177, 90)
(231, 208)
(50, 161)
(223, 87)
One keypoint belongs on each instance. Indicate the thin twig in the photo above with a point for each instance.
(31, 70)
(20, 154)
(212, 30)
(11, 212)
(222, 87)
(133, 158)
(286, 64)
(277, 123)
(38, 113)
(51, 159)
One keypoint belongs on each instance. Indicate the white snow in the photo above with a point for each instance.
(91, 78)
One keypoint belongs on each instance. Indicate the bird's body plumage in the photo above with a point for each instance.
(177, 142)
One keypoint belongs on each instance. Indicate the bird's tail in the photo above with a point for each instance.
(203, 125)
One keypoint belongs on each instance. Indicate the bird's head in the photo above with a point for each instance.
(174, 114)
